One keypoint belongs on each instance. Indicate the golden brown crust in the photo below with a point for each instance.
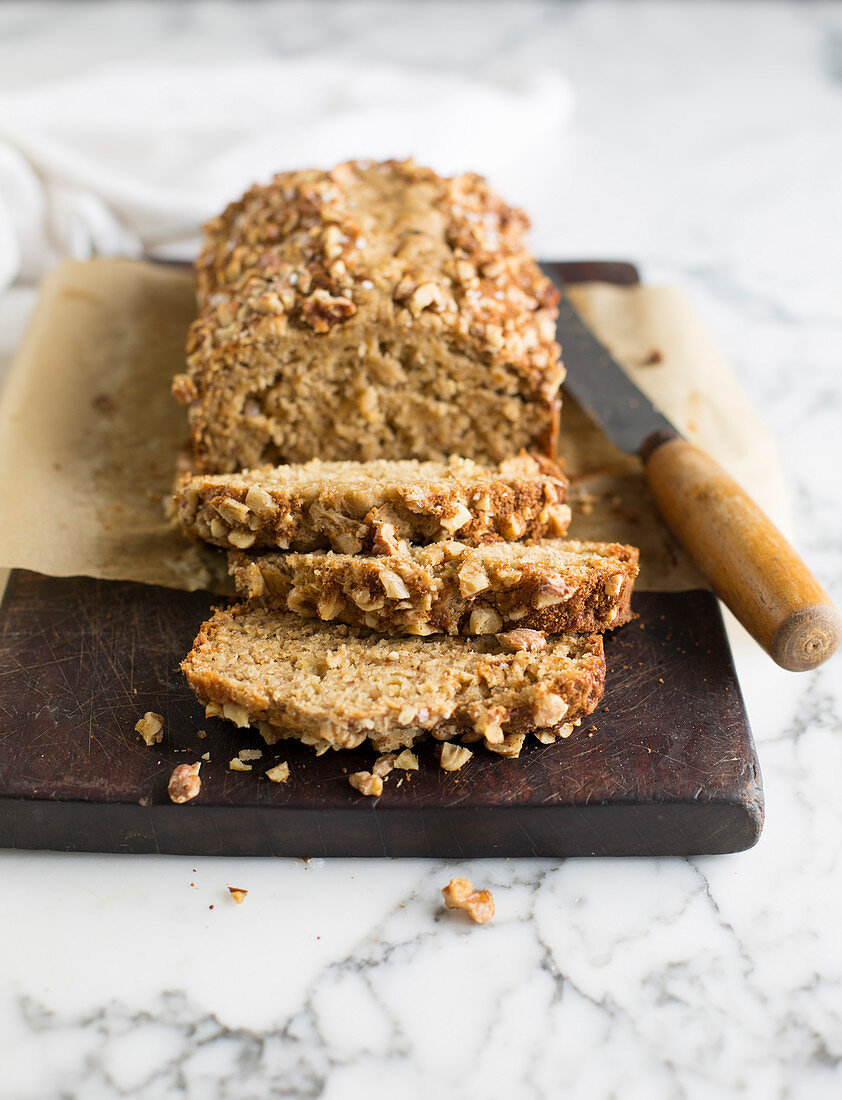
(551, 586)
(334, 686)
(383, 277)
(351, 507)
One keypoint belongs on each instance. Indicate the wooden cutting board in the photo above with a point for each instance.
(666, 765)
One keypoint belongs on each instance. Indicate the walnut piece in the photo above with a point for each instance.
(151, 727)
(478, 904)
(279, 774)
(548, 710)
(386, 543)
(453, 757)
(366, 783)
(484, 620)
(523, 640)
(238, 894)
(511, 745)
(184, 782)
(407, 761)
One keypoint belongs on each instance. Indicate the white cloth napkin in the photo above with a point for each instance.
(126, 160)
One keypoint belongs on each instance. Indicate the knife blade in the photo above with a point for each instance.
(749, 563)
(603, 389)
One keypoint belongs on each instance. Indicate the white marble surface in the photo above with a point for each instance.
(707, 145)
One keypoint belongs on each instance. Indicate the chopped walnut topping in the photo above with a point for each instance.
(151, 727)
(366, 783)
(490, 724)
(236, 714)
(453, 757)
(241, 539)
(512, 526)
(238, 894)
(551, 591)
(522, 640)
(557, 518)
(472, 580)
(548, 709)
(386, 542)
(614, 584)
(329, 605)
(456, 519)
(393, 585)
(254, 581)
(321, 310)
(233, 511)
(425, 297)
(478, 904)
(484, 620)
(259, 501)
(280, 772)
(184, 782)
(509, 746)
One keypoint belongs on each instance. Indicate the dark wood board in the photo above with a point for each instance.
(666, 766)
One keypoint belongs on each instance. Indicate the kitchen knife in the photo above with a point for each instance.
(749, 563)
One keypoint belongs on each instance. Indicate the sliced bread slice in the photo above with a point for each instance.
(372, 506)
(448, 588)
(334, 686)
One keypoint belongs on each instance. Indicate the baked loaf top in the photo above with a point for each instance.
(448, 588)
(448, 251)
(372, 506)
(338, 685)
(378, 273)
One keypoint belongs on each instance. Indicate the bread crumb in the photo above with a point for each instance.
(237, 894)
(478, 904)
(151, 727)
(184, 782)
(201, 734)
(280, 773)
(237, 765)
(250, 754)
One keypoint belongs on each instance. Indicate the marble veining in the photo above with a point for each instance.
(707, 146)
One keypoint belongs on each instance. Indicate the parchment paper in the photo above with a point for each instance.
(90, 434)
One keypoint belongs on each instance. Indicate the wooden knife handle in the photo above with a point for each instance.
(749, 563)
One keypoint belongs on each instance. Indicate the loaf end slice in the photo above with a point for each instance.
(336, 686)
(372, 506)
(553, 586)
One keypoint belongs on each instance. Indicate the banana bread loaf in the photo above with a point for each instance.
(373, 506)
(334, 686)
(373, 311)
(448, 588)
